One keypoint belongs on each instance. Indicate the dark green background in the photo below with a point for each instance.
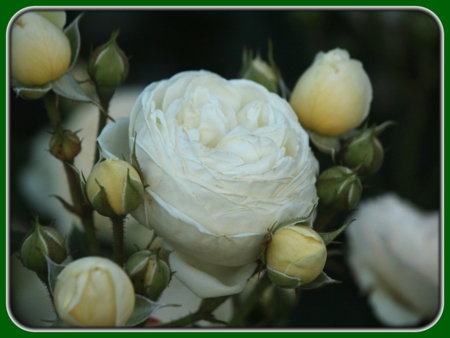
(400, 50)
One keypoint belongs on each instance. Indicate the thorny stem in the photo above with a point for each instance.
(83, 209)
(118, 225)
(101, 124)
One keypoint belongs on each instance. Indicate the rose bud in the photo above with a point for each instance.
(339, 189)
(150, 274)
(94, 292)
(65, 145)
(364, 152)
(40, 52)
(114, 188)
(332, 96)
(108, 67)
(259, 71)
(42, 241)
(295, 256)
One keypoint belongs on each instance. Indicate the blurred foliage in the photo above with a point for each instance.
(400, 50)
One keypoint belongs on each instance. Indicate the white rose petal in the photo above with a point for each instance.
(394, 255)
(223, 161)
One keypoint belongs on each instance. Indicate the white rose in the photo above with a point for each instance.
(394, 255)
(223, 161)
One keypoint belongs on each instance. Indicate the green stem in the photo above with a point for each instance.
(43, 276)
(101, 124)
(247, 306)
(84, 210)
(118, 225)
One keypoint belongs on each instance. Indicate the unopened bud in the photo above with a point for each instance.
(114, 188)
(65, 145)
(332, 96)
(364, 152)
(150, 274)
(108, 67)
(42, 241)
(295, 256)
(94, 292)
(40, 52)
(339, 189)
(257, 70)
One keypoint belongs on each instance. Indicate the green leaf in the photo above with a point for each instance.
(66, 86)
(53, 272)
(326, 144)
(320, 281)
(143, 308)
(30, 92)
(328, 237)
(73, 34)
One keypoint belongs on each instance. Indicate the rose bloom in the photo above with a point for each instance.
(394, 255)
(222, 161)
(43, 177)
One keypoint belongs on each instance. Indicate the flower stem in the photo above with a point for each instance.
(82, 209)
(117, 224)
(101, 124)
(249, 303)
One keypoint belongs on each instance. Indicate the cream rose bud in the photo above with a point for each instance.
(296, 252)
(94, 292)
(332, 96)
(40, 52)
(222, 161)
(114, 188)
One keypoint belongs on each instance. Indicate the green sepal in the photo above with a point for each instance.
(283, 281)
(320, 281)
(81, 180)
(73, 35)
(69, 207)
(133, 193)
(382, 127)
(101, 204)
(66, 86)
(143, 309)
(30, 92)
(326, 144)
(328, 237)
(54, 269)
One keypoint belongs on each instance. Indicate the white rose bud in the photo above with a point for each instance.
(114, 188)
(94, 292)
(332, 96)
(40, 52)
(295, 256)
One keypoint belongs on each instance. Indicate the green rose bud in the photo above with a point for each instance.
(364, 152)
(295, 256)
(339, 189)
(114, 188)
(65, 146)
(42, 241)
(150, 274)
(260, 72)
(108, 67)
